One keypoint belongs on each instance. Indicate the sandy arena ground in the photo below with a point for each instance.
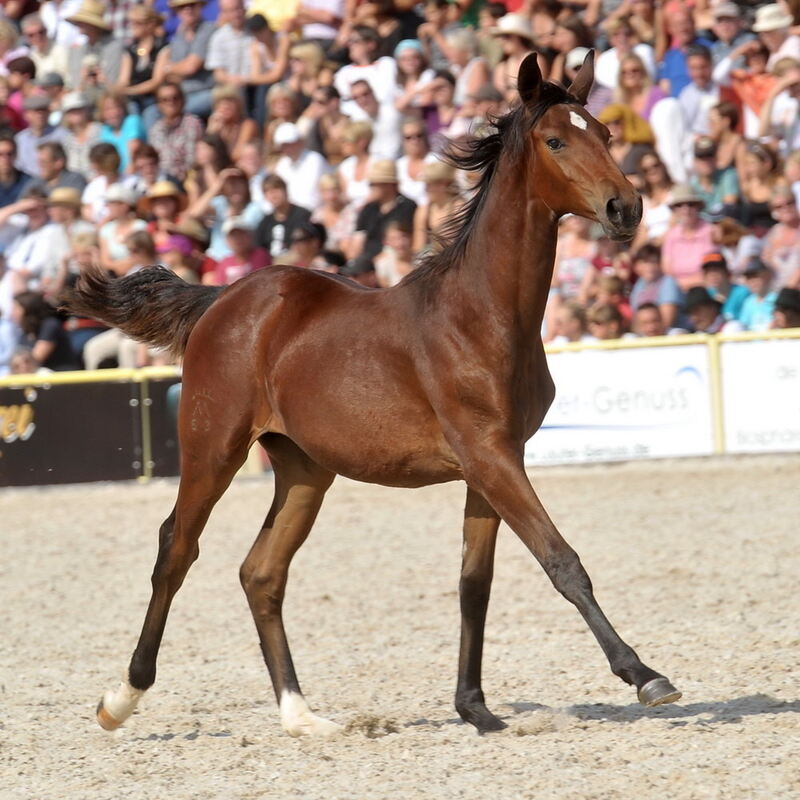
(695, 562)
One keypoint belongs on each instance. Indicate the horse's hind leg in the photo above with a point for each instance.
(480, 534)
(300, 486)
(209, 460)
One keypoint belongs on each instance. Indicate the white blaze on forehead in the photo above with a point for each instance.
(578, 121)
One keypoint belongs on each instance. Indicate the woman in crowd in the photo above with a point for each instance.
(468, 65)
(113, 234)
(136, 74)
(570, 32)
(656, 186)
(723, 120)
(734, 241)
(334, 213)
(356, 138)
(516, 37)
(635, 87)
(439, 109)
(757, 179)
(323, 124)
(688, 240)
(416, 156)
(164, 204)
(228, 196)
(229, 120)
(81, 132)
(307, 72)
(282, 106)
(9, 46)
(631, 138)
(624, 44)
(43, 332)
(396, 259)
(105, 163)
(211, 158)
(125, 131)
(413, 74)
(443, 201)
(269, 60)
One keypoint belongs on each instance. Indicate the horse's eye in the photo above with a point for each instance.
(554, 144)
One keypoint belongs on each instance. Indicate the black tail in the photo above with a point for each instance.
(152, 305)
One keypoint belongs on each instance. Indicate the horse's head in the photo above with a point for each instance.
(573, 170)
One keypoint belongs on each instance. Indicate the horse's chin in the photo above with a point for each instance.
(619, 234)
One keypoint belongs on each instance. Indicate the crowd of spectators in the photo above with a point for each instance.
(222, 137)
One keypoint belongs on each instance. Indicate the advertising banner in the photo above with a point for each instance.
(761, 391)
(627, 403)
(69, 433)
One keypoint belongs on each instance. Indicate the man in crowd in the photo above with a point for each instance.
(53, 173)
(12, 179)
(386, 121)
(100, 53)
(176, 134)
(386, 205)
(184, 59)
(300, 167)
(37, 110)
(274, 231)
(229, 48)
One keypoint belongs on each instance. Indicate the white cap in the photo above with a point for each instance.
(286, 133)
(236, 224)
(576, 57)
(74, 100)
(118, 193)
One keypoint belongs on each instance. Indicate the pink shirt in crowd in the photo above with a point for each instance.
(231, 268)
(682, 254)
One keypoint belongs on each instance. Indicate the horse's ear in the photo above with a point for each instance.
(582, 84)
(529, 79)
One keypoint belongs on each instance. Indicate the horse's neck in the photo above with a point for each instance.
(510, 259)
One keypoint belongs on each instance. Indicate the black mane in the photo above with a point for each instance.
(483, 155)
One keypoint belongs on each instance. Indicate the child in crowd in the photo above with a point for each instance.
(756, 313)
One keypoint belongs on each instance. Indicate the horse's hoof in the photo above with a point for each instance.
(657, 692)
(105, 720)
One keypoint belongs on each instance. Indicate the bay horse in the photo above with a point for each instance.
(442, 377)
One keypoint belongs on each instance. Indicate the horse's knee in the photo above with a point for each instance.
(568, 575)
(264, 588)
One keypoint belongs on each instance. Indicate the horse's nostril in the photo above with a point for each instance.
(614, 210)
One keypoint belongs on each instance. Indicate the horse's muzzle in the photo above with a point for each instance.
(623, 216)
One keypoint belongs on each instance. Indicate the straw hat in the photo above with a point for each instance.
(513, 25)
(771, 17)
(684, 193)
(192, 229)
(145, 14)
(164, 189)
(382, 172)
(179, 3)
(91, 12)
(64, 196)
(435, 171)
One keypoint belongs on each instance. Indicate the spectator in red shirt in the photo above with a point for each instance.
(245, 258)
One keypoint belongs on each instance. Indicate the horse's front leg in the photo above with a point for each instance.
(497, 472)
(480, 535)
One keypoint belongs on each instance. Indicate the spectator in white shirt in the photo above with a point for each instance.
(385, 119)
(300, 167)
(381, 73)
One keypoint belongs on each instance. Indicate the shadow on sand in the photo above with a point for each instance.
(711, 713)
